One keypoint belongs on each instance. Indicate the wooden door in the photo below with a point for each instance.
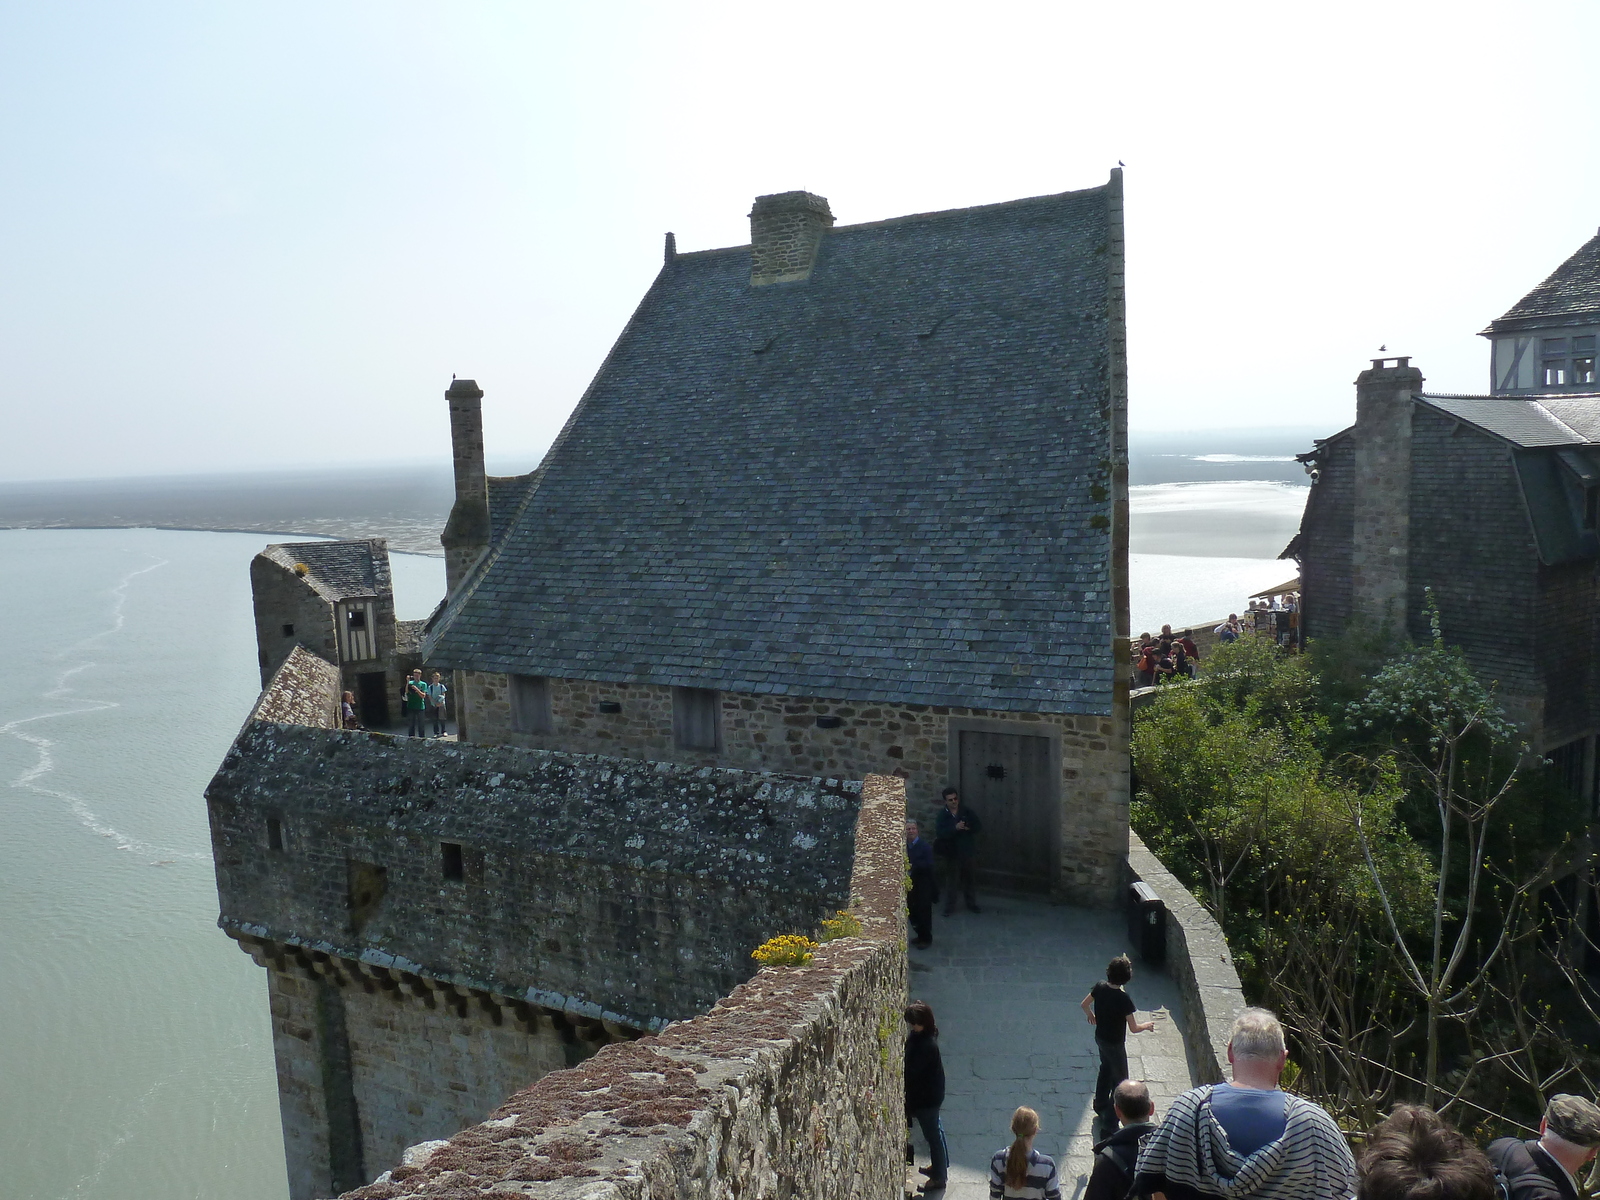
(1007, 780)
(372, 698)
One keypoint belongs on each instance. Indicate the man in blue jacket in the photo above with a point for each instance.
(955, 840)
(924, 886)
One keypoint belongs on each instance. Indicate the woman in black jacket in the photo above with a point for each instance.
(925, 1089)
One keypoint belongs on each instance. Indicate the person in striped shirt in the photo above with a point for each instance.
(1020, 1172)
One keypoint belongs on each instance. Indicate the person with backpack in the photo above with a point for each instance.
(1114, 1157)
(1547, 1169)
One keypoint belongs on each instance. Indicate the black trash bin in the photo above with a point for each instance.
(1147, 924)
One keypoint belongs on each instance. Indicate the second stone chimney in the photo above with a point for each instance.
(785, 232)
(466, 533)
(1381, 542)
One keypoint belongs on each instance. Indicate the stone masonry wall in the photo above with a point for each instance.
(410, 1074)
(792, 1086)
(283, 598)
(1380, 545)
(616, 889)
(774, 733)
(1199, 962)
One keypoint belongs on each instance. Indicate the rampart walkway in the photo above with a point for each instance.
(1005, 985)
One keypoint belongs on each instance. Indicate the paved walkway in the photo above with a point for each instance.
(1005, 985)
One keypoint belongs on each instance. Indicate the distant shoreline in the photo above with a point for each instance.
(401, 541)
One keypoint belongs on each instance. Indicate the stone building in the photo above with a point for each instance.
(336, 599)
(849, 499)
(842, 515)
(1490, 501)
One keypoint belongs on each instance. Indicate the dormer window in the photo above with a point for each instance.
(1554, 354)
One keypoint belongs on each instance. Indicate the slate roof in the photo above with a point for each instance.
(1570, 296)
(339, 570)
(887, 482)
(1522, 422)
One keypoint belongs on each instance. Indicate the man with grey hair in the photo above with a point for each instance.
(1547, 1169)
(1247, 1138)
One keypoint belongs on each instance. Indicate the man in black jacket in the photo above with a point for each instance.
(1547, 1169)
(956, 841)
(1114, 1157)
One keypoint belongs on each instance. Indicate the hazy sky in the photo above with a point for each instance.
(246, 236)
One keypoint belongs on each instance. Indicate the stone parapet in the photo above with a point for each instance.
(792, 1085)
(1199, 962)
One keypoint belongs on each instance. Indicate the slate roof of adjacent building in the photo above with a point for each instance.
(338, 570)
(1529, 422)
(890, 481)
(1570, 296)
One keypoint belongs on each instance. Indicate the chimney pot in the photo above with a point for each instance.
(786, 231)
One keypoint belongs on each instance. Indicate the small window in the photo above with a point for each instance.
(530, 704)
(1583, 369)
(1555, 374)
(274, 834)
(1583, 345)
(288, 631)
(451, 863)
(1555, 347)
(695, 718)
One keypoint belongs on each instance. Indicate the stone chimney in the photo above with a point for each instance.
(1380, 547)
(466, 533)
(785, 233)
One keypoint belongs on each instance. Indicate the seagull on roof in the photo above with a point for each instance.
(1381, 349)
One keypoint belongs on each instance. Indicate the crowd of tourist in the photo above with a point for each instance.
(1172, 656)
(1248, 1138)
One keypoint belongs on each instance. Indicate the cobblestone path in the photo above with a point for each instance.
(1005, 985)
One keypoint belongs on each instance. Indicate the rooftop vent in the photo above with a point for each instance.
(785, 232)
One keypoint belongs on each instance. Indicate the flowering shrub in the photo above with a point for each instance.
(785, 950)
(842, 924)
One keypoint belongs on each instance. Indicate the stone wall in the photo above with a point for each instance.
(618, 889)
(1199, 962)
(1326, 541)
(839, 738)
(389, 1071)
(283, 598)
(443, 924)
(1380, 547)
(792, 1086)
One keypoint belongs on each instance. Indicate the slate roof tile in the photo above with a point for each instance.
(1570, 294)
(775, 485)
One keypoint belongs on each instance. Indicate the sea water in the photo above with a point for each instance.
(135, 1046)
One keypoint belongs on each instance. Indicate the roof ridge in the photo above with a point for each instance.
(909, 217)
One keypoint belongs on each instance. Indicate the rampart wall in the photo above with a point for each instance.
(1198, 961)
(917, 743)
(443, 924)
(791, 1086)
